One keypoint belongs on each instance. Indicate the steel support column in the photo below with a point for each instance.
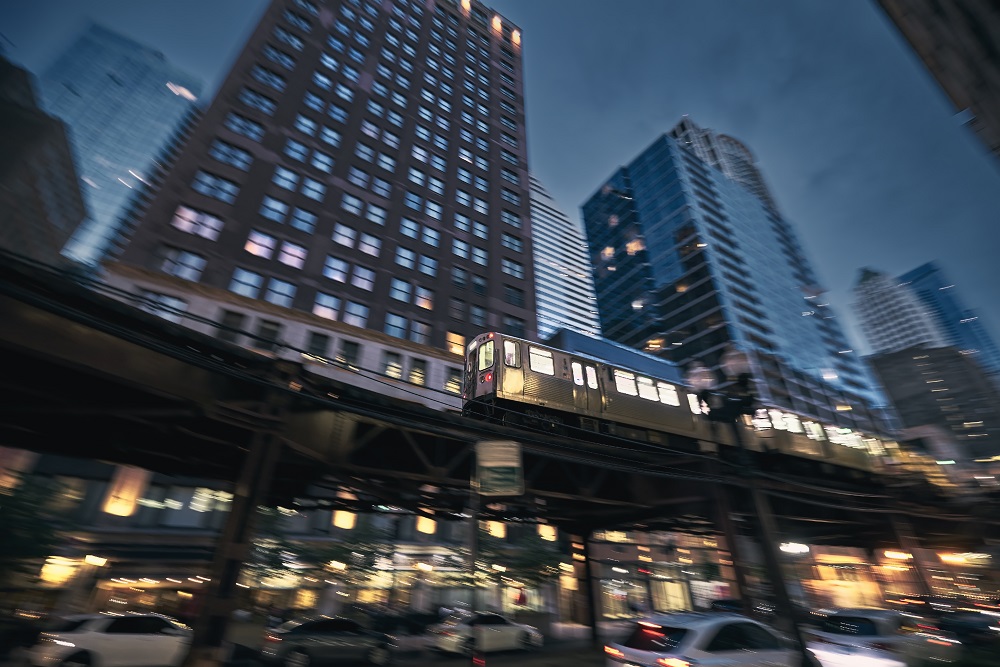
(208, 648)
(909, 543)
(595, 637)
(725, 512)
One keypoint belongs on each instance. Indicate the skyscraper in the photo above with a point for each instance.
(892, 315)
(122, 101)
(961, 326)
(689, 261)
(564, 285)
(40, 199)
(959, 42)
(364, 162)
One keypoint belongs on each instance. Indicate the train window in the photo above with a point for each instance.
(540, 361)
(577, 373)
(512, 353)
(625, 383)
(647, 389)
(695, 404)
(591, 377)
(668, 394)
(486, 355)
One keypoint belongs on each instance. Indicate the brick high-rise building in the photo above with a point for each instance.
(365, 162)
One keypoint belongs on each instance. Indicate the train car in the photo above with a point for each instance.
(524, 383)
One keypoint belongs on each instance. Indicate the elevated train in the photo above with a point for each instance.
(524, 383)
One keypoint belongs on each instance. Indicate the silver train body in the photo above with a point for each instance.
(524, 383)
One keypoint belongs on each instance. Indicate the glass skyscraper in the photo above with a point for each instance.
(122, 102)
(961, 326)
(564, 286)
(892, 315)
(689, 261)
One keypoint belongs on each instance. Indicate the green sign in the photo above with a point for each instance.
(498, 468)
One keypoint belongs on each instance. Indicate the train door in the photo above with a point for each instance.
(586, 394)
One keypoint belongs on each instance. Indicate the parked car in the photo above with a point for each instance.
(881, 638)
(468, 633)
(136, 640)
(315, 641)
(704, 639)
(973, 628)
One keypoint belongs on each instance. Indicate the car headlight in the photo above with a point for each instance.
(60, 642)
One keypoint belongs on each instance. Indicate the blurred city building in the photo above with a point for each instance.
(943, 387)
(340, 174)
(122, 101)
(959, 42)
(40, 199)
(961, 326)
(564, 286)
(892, 315)
(689, 261)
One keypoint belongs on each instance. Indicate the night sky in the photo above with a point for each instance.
(861, 149)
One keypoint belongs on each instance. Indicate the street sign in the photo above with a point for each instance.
(498, 468)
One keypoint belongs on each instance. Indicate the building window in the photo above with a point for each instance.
(336, 269)
(246, 283)
(313, 189)
(459, 277)
(512, 268)
(514, 326)
(230, 327)
(392, 365)
(182, 264)
(296, 150)
(305, 125)
(428, 266)
(254, 100)
(418, 372)
(512, 219)
(170, 308)
(396, 325)
(477, 316)
(260, 244)
(231, 155)
(363, 278)
(400, 290)
(479, 285)
(420, 332)
(197, 222)
(456, 309)
(268, 336)
(453, 379)
(512, 242)
(273, 209)
(244, 126)
(480, 256)
(455, 343)
(280, 292)
(326, 305)
(355, 314)
(370, 245)
(513, 295)
(423, 298)
(358, 177)
(351, 204)
(303, 220)
(350, 353)
(406, 257)
(381, 187)
(330, 136)
(285, 178)
(375, 214)
(215, 186)
(344, 235)
(322, 162)
(292, 254)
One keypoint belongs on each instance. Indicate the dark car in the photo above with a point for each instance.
(324, 640)
(972, 628)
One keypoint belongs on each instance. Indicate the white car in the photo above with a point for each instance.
(135, 640)
(702, 639)
(880, 638)
(469, 633)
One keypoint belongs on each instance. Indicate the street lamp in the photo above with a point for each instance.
(728, 404)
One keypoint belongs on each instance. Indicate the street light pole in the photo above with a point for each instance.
(729, 406)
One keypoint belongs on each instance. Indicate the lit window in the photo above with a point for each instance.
(541, 361)
(455, 343)
(260, 244)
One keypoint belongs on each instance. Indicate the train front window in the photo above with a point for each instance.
(486, 355)
(512, 353)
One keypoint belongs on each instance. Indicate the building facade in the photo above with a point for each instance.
(961, 326)
(40, 199)
(689, 262)
(122, 101)
(959, 42)
(940, 386)
(892, 315)
(363, 162)
(564, 285)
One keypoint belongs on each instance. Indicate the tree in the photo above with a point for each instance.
(30, 530)
(363, 552)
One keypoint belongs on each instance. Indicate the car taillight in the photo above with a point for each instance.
(882, 646)
(272, 638)
(673, 662)
(613, 652)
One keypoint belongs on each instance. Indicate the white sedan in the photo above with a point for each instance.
(880, 638)
(482, 633)
(705, 640)
(138, 640)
